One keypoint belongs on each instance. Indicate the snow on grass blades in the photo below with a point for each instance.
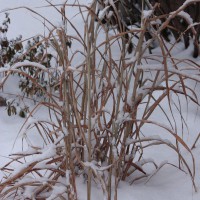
(100, 118)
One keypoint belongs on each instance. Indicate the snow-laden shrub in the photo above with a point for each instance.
(36, 49)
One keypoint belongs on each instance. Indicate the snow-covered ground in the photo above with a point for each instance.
(168, 183)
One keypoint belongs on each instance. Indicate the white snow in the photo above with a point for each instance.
(147, 13)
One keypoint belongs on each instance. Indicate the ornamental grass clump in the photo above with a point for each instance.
(96, 113)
